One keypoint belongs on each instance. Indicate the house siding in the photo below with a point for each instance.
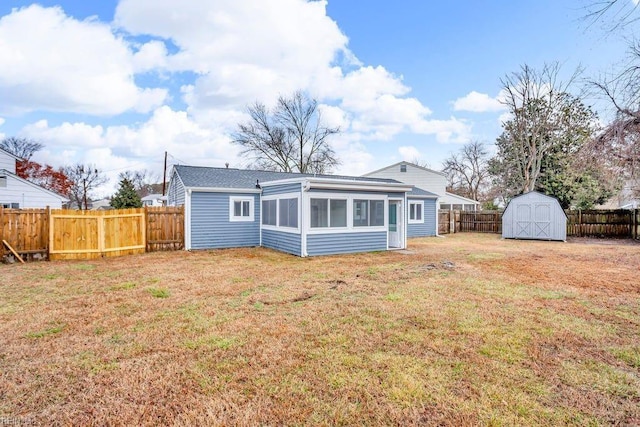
(210, 225)
(175, 194)
(7, 162)
(273, 190)
(428, 228)
(425, 179)
(27, 196)
(340, 243)
(285, 242)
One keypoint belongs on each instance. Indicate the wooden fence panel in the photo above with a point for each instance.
(601, 223)
(165, 228)
(444, 222)
(480, 222)
(26, 230)
(94, 234)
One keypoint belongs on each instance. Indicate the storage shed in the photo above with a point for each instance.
(534, 216)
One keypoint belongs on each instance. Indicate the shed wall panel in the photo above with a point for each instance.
(210, 225)
(534, 216)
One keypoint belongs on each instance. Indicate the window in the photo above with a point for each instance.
(368, 213)
(11, 205)
(403, 168)
(445, 206)
(415, 212)
(319, 213)
(241, 208)
(269, 212)
(3, 181)
(338, 213)
(328, 213)
(288, 216)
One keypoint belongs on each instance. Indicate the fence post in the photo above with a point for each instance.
(452, 222)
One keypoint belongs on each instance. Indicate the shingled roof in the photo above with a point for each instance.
(211, 177)
(419, 192)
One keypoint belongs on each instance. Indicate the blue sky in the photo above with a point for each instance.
(117, 83)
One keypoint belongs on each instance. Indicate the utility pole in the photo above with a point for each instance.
(164, 174)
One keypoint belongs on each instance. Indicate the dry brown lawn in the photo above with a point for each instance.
(468, 330)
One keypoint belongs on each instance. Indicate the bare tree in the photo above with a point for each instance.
(84, 179)
(289, 138)
(144, 181)
(422, 163)
(467, 171)
(21, 147)
(616, 13)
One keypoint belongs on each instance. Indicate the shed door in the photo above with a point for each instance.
(533, 221)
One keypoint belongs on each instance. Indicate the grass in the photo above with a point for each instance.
(468, 330)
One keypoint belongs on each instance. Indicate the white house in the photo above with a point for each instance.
(154, 200)
(18, 193)
(426, 179)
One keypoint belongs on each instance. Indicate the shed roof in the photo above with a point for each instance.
(212, 177)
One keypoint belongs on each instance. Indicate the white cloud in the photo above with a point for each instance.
(243, 50)
(409, 153)
(446, 131)
(117, 148)
(478, 103)
(51, 62)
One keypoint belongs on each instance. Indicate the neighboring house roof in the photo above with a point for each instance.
(152, 197)
(6, 172)
(404, 163)
(419, 192)
(10, 154)
(211, 177)
(462, 199)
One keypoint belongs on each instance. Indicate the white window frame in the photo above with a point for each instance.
(350, 197)
(241, 199)
(413, 203)
(277, 227)
(4, 181)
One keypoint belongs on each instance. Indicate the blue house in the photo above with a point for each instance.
(302, 214)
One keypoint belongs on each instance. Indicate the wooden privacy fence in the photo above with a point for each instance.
(619, 223)
(26, 230)
(603, 223)
(68, 234)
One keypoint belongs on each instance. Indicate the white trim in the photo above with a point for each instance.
(243, 218)
(400, 222)
(187, 219)
(415, 221)
(341, 184)
(406, 163)
(303, 224)
(437, 218)
(278, 227)
(224, 190)
(349, 197)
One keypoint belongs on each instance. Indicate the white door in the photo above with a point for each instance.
(395, 224)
